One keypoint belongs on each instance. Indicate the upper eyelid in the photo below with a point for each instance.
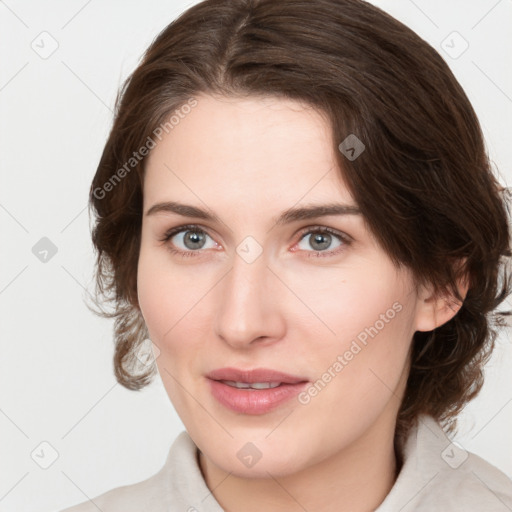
(187, 227)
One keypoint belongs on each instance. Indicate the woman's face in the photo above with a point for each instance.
(247, 291)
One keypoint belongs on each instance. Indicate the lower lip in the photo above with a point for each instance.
(254, 401)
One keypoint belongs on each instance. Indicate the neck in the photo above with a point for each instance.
(357, 478)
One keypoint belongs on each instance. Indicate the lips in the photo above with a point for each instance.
(255, 375)
(255, 391)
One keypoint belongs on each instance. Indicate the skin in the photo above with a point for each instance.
(291, 309)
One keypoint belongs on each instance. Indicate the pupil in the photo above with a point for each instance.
(195, 239)
(323, 240)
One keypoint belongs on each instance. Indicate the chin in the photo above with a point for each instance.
(280, 464)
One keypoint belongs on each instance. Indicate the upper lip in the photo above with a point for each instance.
(255, 375)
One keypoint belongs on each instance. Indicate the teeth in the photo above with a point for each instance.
(252, 385)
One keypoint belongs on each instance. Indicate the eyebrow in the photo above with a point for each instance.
(288, 216)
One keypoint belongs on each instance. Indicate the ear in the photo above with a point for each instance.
(434, 310)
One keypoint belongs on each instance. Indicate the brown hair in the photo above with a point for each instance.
(424, 182)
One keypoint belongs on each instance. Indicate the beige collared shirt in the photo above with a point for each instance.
(437, 476)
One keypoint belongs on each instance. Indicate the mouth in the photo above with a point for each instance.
(251, 385)
(254, 376)
(255, 391)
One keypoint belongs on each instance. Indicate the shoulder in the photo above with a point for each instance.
(439, 475)
(173, 486)
(128, 498)
(474, 485)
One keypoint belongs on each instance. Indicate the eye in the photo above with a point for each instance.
(188, 240)
(321, 238)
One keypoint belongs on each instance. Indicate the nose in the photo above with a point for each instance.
(248, 306)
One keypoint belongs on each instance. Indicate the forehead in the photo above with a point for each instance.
(254, 152)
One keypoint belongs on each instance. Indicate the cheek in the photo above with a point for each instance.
(170, 298)
(163, 306)
(370, 316)
(158, 294)
(152, 300)
(362, 301)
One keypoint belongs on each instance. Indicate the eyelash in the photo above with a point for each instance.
(345, 239)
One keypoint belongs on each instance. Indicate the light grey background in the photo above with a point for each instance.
(56, 379)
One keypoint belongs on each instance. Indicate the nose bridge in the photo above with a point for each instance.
(247, 307)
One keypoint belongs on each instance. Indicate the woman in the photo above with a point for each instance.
(295, 206)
